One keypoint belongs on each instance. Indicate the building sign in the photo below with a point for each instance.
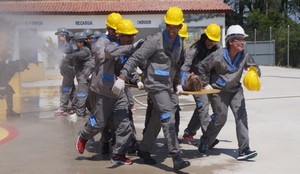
(37, 23)
(83, 22)
(143, 22)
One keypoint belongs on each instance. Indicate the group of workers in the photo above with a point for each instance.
(103, 65)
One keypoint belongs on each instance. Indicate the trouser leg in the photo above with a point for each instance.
(200, 117)
(148, 113)
(67, 92)
(81, 96)
(129, 97)
(164, 107)
(102, 109)
(238, 108)
(9, 92)
(122, 126)
(219, 103)
(177, 119)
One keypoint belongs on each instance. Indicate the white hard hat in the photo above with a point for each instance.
(236, 29)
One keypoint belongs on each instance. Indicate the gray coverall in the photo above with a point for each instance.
(226, 75)
(82, 62)
(193, 56)
(107, 106)
(7, 70)
(68, 72)
(160, 58)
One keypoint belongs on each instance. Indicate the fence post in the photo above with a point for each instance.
(254, 43)
(288, 46)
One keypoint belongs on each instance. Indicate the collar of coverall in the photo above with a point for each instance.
(109, 38)
(237, 58)
(166, 37)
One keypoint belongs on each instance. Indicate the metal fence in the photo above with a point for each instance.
(263, 52)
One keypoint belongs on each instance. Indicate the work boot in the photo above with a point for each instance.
(179, 163)
(61, 112)
(146, 157)
(105, 149)
(121, 159)
(202, 148)
(80, 144)
(73, 117)
(132, 149)
(188, 139)
(247, 154)
(214, 144)
(11, 113)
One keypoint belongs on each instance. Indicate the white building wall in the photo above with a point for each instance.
(46, 25)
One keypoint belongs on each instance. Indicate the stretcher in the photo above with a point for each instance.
(203, 91)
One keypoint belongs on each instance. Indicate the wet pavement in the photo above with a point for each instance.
(38, 142)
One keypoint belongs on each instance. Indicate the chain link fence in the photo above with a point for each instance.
(286, 40)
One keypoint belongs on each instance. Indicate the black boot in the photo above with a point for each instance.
(179, 163)
(202, 148)
(132, 149)
(214, 144)
(105, 149)
(11, 113)
(146, 157)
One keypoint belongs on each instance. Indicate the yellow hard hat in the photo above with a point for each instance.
(251, 80)
(113, 19)
(213, 32)
(49, 40)
(183, 32)
(174, 16)
(126, 27)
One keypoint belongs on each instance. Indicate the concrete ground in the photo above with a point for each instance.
(41, 143)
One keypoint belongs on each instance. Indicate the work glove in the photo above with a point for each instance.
(119, 85)
(138, 44)
(208, 87)
(184, 76)
(179, 89)
(140, 85)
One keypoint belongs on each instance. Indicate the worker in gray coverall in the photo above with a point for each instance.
(108, 106)
(68, 72)
(226, 67)
(160, 55)
(98, 49)
(81, 58)
(193, 56)
(126, 34)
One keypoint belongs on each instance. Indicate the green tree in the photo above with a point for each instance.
(263, 14)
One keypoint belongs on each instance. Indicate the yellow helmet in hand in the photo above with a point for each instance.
(251, 80)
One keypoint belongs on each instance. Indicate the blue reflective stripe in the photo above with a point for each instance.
(199, 104)
(67, 89)
(81, 95)
(92, 120)
(165, 115)
(221, 82)
(161, 72)
(107, 77)
(123, 59)
(213, 117)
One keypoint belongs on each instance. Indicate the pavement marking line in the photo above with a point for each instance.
(7, 133)
(3, 133)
